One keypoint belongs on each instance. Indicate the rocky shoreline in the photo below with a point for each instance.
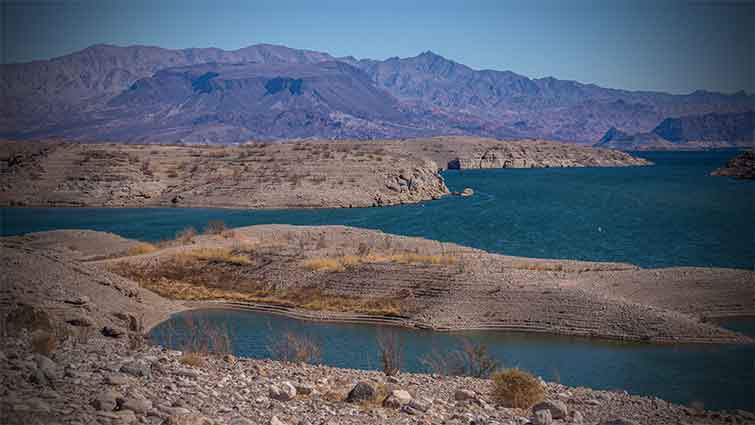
(314, 174)
(742, 167)
(103, 372)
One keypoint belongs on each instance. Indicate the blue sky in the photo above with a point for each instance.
(667, 45)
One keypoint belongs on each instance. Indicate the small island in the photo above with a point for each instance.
(741, 167)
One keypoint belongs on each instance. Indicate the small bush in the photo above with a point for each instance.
(44, 343)
(324, 264)
(186, 235)
(192, 359)
(516, 388)
(389, 344)
(214, 227)
(141, 248)
(471, 360)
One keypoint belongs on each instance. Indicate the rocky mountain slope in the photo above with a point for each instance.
(707, 131)
(313, 174)
(84, 95)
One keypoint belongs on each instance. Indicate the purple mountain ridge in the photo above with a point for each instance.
(267, 92)
(714, 130)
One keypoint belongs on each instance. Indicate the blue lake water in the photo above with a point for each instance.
(669, 214)
(719, 376)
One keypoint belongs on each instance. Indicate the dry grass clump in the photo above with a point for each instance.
(192, 359)
(215, 227)
(141, 248)
(515, 388)
(220, 255)
(43, 342)
(324, 264)
(186, 236)
(340, 263)
(470, 360)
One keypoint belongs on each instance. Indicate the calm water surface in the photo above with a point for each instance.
(669, 214)
(721, 377)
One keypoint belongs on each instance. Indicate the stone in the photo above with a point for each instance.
(80, 320)
(113, 331)
(106, 401)
(189, 373)
(619, 421)
(275, 421)
(362, 391)
(577, 418)
(137, 369)
(463, 394)
(421, 404)
(116, 380)
(543, 417)
(38, 377)
(304, 389)
(282, 392)
(137, 405)
(396, 399)
(241, 421)
(187, 419)
(83, 300)
(557, 408)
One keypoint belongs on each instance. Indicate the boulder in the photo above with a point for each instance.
(136, 405)
(464, 394)
(137, 369)
(362, 391)
(106, 401)
(80, 320)
(113, 331)
(283, 391)
(421, 404)
(543, 417)
(557, 408)
(396, 399)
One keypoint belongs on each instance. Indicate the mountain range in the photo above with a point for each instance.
(708, 131)
(267, 92)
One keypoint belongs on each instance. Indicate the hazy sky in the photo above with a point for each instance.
(675, 46)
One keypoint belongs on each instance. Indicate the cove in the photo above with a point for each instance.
(719, 376)
(669, 214)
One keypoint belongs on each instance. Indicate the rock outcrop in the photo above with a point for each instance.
(741, 167)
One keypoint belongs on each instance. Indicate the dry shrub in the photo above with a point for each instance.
(192, 359)
(324, 264)
(220, 255)
(340, 263)
(214, 227)
(141, 248)
(44, 342)
(294, 347)
(471, 360)
(515, 388)
(389, 344)
(201, 339)
(186, 236)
